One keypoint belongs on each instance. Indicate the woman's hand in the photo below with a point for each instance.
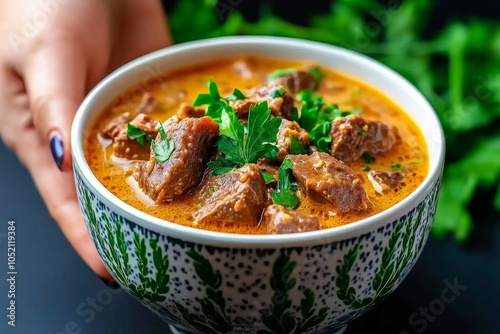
(57, 50)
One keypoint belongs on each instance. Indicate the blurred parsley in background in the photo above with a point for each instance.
(457, 67)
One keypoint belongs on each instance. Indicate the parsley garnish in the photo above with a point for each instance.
(316, 117)
(317, 74)
(285, 189)
(297, 146)
(277, 93)
(245, 143)
(164, 149)
(396, 167)
(314, 71)
(366, 169)
(139, 135)
(267, 177)
(281, 73)
(368, 158)
(361, 132)
(216, 103)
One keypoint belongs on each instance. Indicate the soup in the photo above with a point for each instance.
(269, 147)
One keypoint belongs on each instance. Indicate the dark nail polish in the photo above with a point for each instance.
(57, 149)
(112, 285)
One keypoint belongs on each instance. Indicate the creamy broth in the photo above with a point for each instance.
(408, 156)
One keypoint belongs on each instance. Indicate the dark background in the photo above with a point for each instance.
(55, 287)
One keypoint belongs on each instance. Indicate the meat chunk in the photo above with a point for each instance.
(287, 129)
(187, 111)
(280, 105)
(245, 68)
(297, 81)
(129, 148)
(193, 138)
(238, 196)
(111, 130)
(322, 174)
(147, 105)
(354, 135)
(280, 220)
(383, 181)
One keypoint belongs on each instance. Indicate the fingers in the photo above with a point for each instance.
(57, 189)
(59, 193)
(55, 78)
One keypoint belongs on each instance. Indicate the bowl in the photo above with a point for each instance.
(210, 282)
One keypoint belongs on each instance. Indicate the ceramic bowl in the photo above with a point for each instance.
(208, 282)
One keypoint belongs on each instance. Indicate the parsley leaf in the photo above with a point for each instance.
(262, 133)
(267, 177)
(366, 169)
(368, 158)
(214, 98)
(245, 143)
(396, 167)
(276, 93)
(237, 95)
(139, 135)
(164, 149)
(284, 193)
(280, 73)
(221, 166)
(216, 103)
(316, 117)
(317, 74)
(297, 146)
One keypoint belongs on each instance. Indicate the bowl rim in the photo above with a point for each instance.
(231, 239)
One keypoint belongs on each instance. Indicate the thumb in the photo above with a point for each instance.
(55, 78)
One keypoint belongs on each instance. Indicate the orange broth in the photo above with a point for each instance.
(182, 86)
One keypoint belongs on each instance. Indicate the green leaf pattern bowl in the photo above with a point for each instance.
(207, 282)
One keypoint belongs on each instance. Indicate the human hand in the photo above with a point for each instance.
(57, 51)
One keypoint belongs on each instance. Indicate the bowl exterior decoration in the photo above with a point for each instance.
(203, 288)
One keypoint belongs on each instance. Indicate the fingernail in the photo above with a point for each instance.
(112, 285)
(57, 149)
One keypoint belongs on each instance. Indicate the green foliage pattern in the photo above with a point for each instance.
(110, 240)
(398, 255)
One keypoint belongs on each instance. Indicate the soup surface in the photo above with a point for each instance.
(342, 151)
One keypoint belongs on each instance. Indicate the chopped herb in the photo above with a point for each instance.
(416, 162)
(366, 169)
(361, 132)
(316, 117)
(285, 190)
(139, 135)
(211, 191)
(297, 146)
(237, 95)
(164, 149)
(280, 73)
(267, 177)
(245, 143)
(277, 93)
(317, 74)
(396, 167)
(368, 158)
(214, 102)
(221, 166)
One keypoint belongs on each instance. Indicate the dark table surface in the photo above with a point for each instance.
(452, 289)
